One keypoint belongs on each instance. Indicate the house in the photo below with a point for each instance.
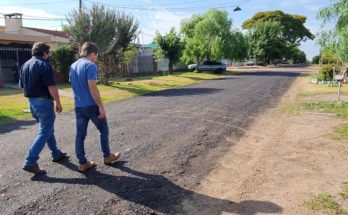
(16, 42)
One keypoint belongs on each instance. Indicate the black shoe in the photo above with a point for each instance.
(62, 156)
(34, 169)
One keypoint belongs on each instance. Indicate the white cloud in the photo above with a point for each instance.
(30, 13)
(160, 20)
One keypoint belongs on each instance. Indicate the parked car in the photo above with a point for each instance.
(285, 61)
(215, 66)
(250, 63)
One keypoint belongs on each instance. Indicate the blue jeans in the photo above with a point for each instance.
(42, 111)
(83, 115)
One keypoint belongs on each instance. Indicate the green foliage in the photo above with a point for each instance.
(266, 42)
(61, 59)
(293, 29)
(210, 36)
(316, 59)
(328, 55)
(170, 46)
(325, 203)
(325, 73)
(337, 37)
(129, 54)
(111, 30)
(297, 56)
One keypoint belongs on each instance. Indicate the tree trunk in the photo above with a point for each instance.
(171, 67)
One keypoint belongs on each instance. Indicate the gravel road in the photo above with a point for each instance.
(170, 141)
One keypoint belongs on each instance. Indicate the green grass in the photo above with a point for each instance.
(344, 193)
(12, 101)
(326, 204)
(338, 108)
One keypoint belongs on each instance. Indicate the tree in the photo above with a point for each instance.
(170, 46)
(297, 56)
(293, 29)
(111, 30)
(128, 55)
(336, 38)
(316, 59)
(62, 58)
(266, 42)
(210, 36)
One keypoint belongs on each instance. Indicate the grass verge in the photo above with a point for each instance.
(338, 108)
(326, 204)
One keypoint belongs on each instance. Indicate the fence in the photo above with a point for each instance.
(11, 59)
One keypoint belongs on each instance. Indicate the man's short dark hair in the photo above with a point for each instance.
(39, 49)
(88, 48)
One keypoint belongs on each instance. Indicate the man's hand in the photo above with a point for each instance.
(59, 108)
(102, 113)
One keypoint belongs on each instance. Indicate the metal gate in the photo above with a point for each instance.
(11, 60)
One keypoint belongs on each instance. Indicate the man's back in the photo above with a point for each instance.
(80, 72)
(35, 76)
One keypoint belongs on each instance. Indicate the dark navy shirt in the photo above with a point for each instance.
(35, 76)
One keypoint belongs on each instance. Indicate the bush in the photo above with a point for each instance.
(62, 57)
(326, 73)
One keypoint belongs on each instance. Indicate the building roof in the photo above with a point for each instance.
(150, 46)
(50, 32)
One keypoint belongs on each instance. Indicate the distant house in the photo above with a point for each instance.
(16, 42)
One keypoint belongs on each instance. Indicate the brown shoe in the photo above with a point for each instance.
(62, 156)
(87, 166)
(113, 157)
(34, 169)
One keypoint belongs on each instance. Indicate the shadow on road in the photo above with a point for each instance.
(282, 74)
(184, 92)
(160, 194)
(15, 126)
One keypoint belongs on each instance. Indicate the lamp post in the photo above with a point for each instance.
(237, 9)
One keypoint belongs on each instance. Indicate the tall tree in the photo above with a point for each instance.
(210, 36)
(170, 47)
(336, 39)
(111, 30)
(293, 29)
(266, 42)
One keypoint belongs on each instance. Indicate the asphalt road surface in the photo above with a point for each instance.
(170, 140)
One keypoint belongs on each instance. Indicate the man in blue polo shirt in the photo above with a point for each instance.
(88, 106)
(37, 79)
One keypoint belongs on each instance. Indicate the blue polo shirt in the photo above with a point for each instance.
(36, 75)
(80, 72)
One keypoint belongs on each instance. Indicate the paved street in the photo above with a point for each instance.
(170, 139)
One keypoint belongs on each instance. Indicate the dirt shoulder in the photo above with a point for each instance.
(282, 161)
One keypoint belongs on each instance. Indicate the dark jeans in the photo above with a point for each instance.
(83, 115)
(42, 111)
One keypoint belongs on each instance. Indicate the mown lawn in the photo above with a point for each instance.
(13, 104)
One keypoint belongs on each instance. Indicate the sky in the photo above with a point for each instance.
(161, 15)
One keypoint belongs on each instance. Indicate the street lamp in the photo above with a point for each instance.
(237, 9)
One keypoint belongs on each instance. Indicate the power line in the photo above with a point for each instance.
(38, 3)
(39, 18)
(157, 8)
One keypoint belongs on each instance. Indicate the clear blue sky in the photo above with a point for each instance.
(160, 15)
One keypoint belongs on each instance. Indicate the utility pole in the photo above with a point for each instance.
(80, 6)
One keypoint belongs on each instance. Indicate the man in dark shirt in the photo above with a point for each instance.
(37, 79)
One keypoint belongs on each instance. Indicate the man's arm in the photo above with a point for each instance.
(54, 93)
(92, 84)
